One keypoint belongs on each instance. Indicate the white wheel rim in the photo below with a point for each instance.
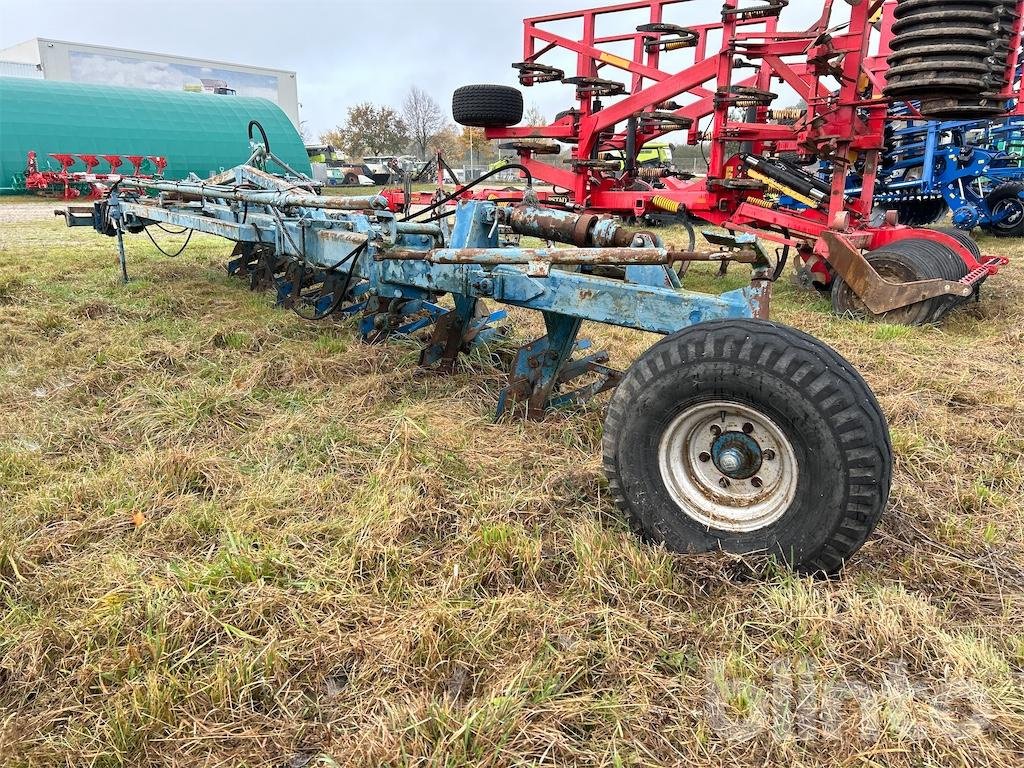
(728, 467)
(1015, 208)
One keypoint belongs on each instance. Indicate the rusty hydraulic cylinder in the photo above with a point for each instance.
(581, 229)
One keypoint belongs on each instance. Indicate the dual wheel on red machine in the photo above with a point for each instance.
(906, 261)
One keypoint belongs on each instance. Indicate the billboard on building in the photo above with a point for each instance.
(109, 69)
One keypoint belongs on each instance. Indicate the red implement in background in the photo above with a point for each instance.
(71, 184)
(717, 83)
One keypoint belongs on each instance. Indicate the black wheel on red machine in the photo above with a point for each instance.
(965, 238)
(746, 436)
(1007, 209)
(904, 261)
(947, 264)
(487, 106)
(896, 266)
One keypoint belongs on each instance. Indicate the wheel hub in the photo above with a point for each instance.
(728, 466)
(1007, 213)
(736, 455)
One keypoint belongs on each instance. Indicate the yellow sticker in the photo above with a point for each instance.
(614, 60)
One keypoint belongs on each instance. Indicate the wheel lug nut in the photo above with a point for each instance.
(724, 482)
(748, 427)
(716, 430)
(768, 455)
(704, 456)
(756, 482)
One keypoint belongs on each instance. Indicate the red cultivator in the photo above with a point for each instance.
(718, 82)
(72, 184)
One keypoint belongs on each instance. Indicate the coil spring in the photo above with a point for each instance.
(760, 201)
(665, 204)
(649, 173)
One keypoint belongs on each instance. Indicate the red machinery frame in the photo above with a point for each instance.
(838, 70)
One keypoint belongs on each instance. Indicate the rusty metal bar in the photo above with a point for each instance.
(494, 256)
(260, 196)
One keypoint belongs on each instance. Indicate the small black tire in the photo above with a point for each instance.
(487, 106)
(1003, 196)
(840, 456)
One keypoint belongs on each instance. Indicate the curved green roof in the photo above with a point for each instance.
(201, 133)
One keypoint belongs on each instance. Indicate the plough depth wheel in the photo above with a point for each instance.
(748, 437)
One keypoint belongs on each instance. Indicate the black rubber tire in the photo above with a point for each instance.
(1005, 191)
(894, 262)
(919, 213)
(825, 409)
(351, 178)
(487, 106)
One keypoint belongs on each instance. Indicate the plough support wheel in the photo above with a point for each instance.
(748, 437)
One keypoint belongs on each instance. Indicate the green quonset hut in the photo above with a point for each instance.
(197, 132)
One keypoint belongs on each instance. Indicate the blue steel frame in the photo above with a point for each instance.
(958, 161)
(396, 276)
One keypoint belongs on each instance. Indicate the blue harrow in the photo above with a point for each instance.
(731, 433)
(972, 168)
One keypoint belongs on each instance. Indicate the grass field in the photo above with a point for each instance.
(230, 537)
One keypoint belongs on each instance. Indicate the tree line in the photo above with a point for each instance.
(419, 126)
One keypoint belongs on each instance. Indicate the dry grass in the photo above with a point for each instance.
(228, 537)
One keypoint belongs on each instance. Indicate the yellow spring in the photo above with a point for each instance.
(660, 201)
(760, 201)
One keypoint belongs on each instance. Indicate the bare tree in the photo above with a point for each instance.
(534, 116)
(423, 119)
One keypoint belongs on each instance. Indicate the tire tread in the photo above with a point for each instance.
(862, 432)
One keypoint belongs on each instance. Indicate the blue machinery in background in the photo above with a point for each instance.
(973, 168)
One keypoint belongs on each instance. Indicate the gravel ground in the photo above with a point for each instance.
(31, 211)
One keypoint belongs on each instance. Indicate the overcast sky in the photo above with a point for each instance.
(343, 52)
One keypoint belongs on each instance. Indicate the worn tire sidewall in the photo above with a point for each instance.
(819, 505)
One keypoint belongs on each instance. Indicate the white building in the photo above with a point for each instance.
(81, 63)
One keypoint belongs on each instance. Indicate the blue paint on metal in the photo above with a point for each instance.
(957, 161)
(399, 295)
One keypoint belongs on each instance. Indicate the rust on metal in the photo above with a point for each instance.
(273, 197)
(878, 294)
(496, 256)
